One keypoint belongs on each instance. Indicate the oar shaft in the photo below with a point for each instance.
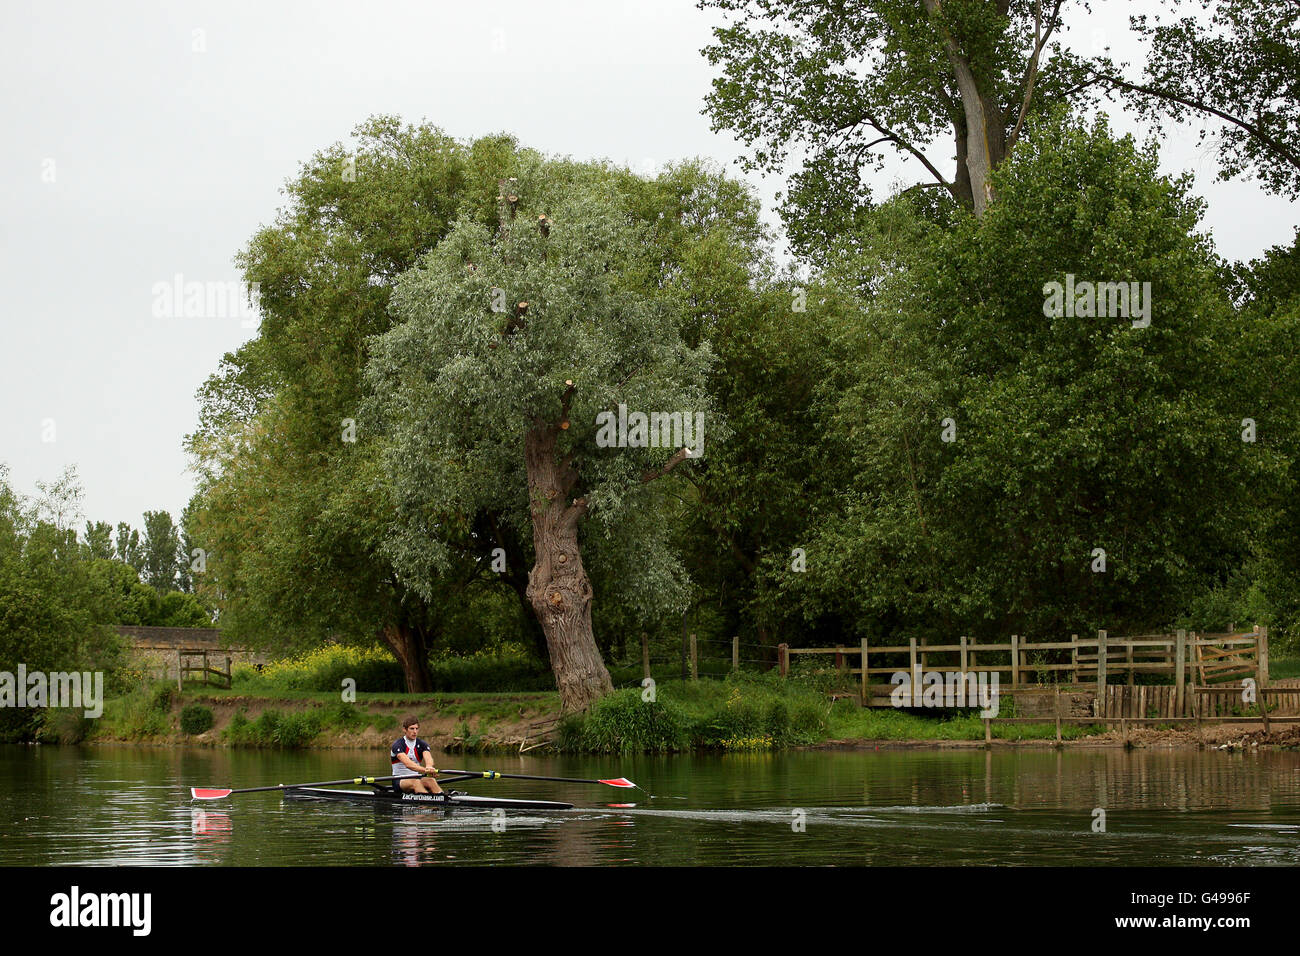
(495, 775)
(320, 783)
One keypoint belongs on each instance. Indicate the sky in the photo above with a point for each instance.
(146, 141)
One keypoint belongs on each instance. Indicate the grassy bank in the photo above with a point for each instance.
(297, 704)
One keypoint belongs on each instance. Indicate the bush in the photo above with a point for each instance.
(274, 729)
(195, 719)
(147, 712)
(624, 723)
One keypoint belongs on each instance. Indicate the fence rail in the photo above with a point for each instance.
(1191, 660)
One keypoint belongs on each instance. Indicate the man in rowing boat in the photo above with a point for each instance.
(413, 767)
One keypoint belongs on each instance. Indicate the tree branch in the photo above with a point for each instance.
(682, 454)
(1273, 144)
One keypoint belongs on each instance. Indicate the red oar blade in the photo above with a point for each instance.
(199, 793)
(619, 782)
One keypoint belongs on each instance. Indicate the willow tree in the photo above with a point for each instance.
(511, 351)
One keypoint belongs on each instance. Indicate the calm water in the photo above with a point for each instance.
(108, 805)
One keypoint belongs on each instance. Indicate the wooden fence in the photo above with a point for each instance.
(1191, 661)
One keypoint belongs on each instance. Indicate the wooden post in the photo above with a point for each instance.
(180, 683)
(1058, 714)
(965, 660)
(1128, 659)
(1180, 667)
(645, 654)
(1262, 663)
(695, 659)
(925, 664)
(1015, 661)
(915, 665)
(988, 730)
(1074, 658)
(866, 687)
(735, 653)
(783, 659)
(1101, 668)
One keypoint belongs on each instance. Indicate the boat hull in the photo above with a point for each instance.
(422, 800)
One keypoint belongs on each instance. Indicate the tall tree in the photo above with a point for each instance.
(129, 548)
(161, 546)
(1034, 470)
(846, 81)
(515, 347)
(278, 418)
(99, 540)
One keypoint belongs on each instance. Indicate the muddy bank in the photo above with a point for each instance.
(1225, 737)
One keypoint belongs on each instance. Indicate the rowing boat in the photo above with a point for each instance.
(432, 801)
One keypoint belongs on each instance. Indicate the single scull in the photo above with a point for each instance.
(385, 796)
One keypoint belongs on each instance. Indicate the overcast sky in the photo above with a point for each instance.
(147, 139)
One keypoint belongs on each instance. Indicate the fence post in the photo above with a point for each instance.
(1015, 661)
(783, 659)
(1058, 715)
(1180, 678)
(735, 653)
(645, 654)
(695, 659)
(965, 664)
(1128, 659)
(915, 666)
(1262, 664)
(866, 702)
(1074, 658)
(1101, 671)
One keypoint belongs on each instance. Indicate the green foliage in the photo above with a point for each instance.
(64, 726)
(144, 713)
(856, 88)
(196, 719)
(1071, 433)
(623, 723)
(374, 670)
(51, 618)
(1244, 60)
(273, 729)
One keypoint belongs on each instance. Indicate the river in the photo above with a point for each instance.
(130, 805)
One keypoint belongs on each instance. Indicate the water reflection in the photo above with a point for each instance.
(124, 805)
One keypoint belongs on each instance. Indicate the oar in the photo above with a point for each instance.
(494, 775)
(201, 793)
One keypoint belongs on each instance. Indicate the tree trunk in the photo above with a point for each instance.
(408, 646)
(986, 134)
(558, 587)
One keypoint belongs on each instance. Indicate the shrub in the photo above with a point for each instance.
(624, 723)
(274, 729)
(195, 719)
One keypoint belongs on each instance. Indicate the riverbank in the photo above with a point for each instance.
(750, 715)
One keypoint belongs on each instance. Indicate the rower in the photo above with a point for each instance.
(413, 767)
